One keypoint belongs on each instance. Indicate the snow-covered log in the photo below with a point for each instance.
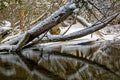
(83, 32)
(3, 32)
(77, 34)
(57, 17)
(85, 23)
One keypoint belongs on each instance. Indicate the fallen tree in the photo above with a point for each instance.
(56, 18)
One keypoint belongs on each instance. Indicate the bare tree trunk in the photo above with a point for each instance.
(22, 15)
(57, 17)
(22, 19)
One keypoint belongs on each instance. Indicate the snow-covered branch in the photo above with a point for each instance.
(85, 23)
(57, 17)
(84, 32)
(3, 32)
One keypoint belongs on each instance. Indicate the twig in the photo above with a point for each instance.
(36, 40)
(96, 8)
(70, 25)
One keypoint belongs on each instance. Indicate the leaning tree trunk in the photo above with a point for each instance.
(57, 17)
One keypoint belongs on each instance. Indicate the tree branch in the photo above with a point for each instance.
(84, 32)
(77, 34)
(57, 17)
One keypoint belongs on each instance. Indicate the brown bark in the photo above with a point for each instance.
(55, 30)
(22, 19)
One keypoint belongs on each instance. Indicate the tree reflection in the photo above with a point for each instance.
(35, 64)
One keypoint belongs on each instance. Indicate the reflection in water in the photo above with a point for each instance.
(69, 62)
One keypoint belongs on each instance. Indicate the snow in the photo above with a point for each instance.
(85, 0)
(74, 28)
(83, 20)
(80, 4)
(11, 37)
(6, 28)
(7, 24)
(76, 10)
(72, 6)
(109, 37)
(78, 26)
(89, 6)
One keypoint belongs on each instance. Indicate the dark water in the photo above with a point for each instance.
(70, 63)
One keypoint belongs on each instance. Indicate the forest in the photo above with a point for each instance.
(59, 40)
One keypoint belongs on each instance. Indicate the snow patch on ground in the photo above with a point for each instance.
(78, 27)
(6, 24)
(74, 28)
(93, 36)
(5, 27)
